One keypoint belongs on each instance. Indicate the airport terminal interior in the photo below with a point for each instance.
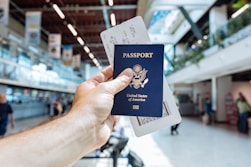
(49, 47)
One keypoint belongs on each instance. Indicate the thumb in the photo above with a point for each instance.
(121, 82)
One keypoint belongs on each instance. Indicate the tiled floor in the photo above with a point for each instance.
(24, 124)
(197, 145)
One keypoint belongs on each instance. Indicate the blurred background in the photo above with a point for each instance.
(48, 47)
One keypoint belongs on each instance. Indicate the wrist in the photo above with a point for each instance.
(83, 130)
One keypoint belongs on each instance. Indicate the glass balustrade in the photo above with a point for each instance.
(18, 63)
(24, 76)
(230, 33)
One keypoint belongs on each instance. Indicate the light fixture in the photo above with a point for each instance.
(95, 61)
(199, 41)
(20, 49)
(33, 49)
(97, 64)
(91, 56)
(73, 31)
(80, 41)
(87, 50)
(240, 11)
(110, 2)
(59, 12)
(113, 19)
(15, 38)
(205, 37)
(4, 41)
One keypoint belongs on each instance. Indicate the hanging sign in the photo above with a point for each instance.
(33, 28)
(67, 55)
(54, 46)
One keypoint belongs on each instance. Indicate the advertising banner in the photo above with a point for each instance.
(33, 28)
(76, 61)
(54, 46)
(231, 109)
(4, 12)
(67, 55)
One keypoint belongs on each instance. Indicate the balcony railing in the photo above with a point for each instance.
(20, 75)
(236, 29)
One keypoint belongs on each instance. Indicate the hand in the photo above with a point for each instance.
(94, 101)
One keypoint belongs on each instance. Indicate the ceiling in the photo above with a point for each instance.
(203, 23)
(171, 25)
(89, 18)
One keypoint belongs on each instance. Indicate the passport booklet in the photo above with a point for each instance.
(144, 95)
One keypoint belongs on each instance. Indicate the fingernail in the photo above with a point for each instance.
(128, 72)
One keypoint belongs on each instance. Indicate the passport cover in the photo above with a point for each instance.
(144, 95)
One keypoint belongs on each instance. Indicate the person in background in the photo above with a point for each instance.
(175, 127)
(244, 112)
(57, 107)
(65, 140)
(5, 111)
(63, 103)
(208, 108)
(48, 105)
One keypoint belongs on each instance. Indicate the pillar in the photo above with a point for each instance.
(222, 86)
(180, 49)
(214, 93)
(217, 18)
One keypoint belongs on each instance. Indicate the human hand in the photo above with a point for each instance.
(94, 100)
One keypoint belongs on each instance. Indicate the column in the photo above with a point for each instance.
(180, 49)
(217, 18)
(214, 93)
(222, 86)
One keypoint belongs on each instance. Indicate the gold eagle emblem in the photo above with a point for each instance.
(139, 77)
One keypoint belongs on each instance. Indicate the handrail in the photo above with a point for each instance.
(15, 74)
(236, 29)
(13, 39)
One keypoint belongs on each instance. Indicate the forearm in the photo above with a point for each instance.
(63, 141)
(57, 143)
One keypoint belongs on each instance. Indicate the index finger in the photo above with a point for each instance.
(102, 76)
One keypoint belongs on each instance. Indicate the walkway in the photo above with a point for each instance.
(197, 145)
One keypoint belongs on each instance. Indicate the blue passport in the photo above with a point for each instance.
(144, 95)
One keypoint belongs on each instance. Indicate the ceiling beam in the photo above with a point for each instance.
(194, 26)
(83, 8)
(17, 8)
(183, 3)
(105, 14)
(89, 45)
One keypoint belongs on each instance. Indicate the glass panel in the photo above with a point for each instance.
(157, 23)
(235, 30)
